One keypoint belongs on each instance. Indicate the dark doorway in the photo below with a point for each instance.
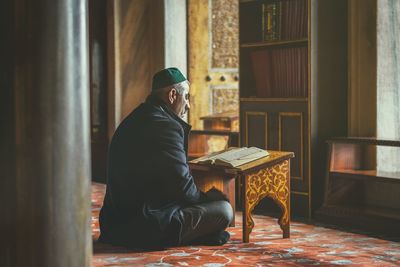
(98, 87)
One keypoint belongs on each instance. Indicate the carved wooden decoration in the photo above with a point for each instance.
(271, 182)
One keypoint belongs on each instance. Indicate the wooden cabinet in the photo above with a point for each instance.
(202, 142)
(290, 99)
(362, 184)
(224, 121)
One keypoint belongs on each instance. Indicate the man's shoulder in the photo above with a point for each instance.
(154, 116)
(148, 121)
(144, 114)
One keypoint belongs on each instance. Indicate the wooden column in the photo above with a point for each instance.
(44, 155)
(198, 43)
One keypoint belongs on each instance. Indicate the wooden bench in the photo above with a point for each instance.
(357, 191)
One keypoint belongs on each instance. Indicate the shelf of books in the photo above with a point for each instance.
(273, 20)
(274, 49)
(274, 85)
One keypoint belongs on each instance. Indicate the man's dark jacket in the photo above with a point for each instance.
(148, 178)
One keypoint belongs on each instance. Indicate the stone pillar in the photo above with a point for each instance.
(45, 139)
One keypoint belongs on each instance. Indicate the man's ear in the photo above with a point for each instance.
(172, 95)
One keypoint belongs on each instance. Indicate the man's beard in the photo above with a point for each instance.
(183, 113)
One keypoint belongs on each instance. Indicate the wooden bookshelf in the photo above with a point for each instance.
(279, 90)
(266, 44)
(359, 212)
(275, 72)
(367, 175)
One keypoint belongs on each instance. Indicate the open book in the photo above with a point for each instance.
(234, 157)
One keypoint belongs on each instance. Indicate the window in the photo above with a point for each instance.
(388, 82)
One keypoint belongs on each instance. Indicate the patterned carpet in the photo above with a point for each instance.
(309, 245)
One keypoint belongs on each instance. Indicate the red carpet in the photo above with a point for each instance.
(309, 245)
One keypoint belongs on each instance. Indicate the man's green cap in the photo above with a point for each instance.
(167, 77)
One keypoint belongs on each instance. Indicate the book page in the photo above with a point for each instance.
(234, 157)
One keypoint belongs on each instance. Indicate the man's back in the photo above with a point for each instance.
(148, 178)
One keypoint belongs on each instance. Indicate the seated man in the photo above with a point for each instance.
(151, 199)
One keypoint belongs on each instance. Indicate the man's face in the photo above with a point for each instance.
(181, 104)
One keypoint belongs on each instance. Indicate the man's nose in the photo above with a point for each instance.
(188, 105)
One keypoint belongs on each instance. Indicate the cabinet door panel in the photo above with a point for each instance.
(283, 126)
(291, 139)
(256, 129)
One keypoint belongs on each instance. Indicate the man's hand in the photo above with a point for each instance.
(214, 195)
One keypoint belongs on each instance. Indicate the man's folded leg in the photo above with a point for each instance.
(205, 223)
